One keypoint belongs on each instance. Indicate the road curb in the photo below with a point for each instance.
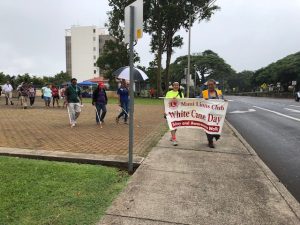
(286, 195)
(95, 159)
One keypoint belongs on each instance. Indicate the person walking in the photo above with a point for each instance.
(100, 102)
(31, 94)
(62, 95)
(55, 96)
(0, 91)
(123, 93)
(212, 93)
(47, 95)
(73, 101)
(174, 93)
(24, 92)
(7, 90)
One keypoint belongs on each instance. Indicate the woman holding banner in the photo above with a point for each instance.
(212, 93)
(174, 93)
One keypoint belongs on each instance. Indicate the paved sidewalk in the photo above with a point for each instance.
(192, 184)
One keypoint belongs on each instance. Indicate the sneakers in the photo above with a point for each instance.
(174, 143)
(73, 125)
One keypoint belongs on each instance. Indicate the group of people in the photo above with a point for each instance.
(73, 99)
(25, 91)
(52, 92)
(211, 93)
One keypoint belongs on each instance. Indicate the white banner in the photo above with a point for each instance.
(197, 113)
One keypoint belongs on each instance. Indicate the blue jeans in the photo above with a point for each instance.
(101, 112)
(124, 106)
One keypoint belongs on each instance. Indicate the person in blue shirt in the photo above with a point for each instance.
(123, 93)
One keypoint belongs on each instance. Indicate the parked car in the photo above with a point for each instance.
(297, 96)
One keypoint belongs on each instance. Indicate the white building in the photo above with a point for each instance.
(84, 44)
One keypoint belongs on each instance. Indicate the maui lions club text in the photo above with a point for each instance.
(208, 115)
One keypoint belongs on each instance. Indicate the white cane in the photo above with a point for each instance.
(98, 117)
(124, 111)
(69, 114)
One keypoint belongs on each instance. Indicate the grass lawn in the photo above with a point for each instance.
(138, 101)
(42, 192)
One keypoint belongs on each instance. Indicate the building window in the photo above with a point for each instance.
(94, 30)
(94, 48)
(94, 38)
(100, 51)
(95, 64)
(95, 57)
(95, 71)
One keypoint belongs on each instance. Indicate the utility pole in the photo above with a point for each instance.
(197, 10)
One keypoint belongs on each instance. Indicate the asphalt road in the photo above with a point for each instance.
(272, 128)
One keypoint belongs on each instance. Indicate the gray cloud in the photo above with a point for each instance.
(248, 34)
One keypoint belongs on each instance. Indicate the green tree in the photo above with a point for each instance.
(284, 71)
(241, 82)
(166, 19)
(209, 65)
(162, 19)
(114, 56)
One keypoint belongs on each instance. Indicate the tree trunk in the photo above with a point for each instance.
(159, 51)
(168, 61)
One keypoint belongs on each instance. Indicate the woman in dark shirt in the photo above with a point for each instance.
(100, 101)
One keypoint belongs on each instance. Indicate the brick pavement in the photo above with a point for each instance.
(48, 129)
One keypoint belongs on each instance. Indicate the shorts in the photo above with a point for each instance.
(47, 99)
(8, 94)
(55, 97)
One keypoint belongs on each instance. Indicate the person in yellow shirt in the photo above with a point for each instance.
(174, 93)
(212, 93)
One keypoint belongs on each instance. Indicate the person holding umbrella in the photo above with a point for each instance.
(123, 93)
(100, 102)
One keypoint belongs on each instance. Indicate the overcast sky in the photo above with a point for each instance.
(248, 34)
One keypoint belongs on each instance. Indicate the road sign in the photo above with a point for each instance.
(138, 21)
(294, 82)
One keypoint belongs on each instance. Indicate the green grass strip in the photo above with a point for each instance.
(42, 192)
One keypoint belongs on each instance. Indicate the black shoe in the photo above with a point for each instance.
(12, 103)
(217, 137)
(211, 144)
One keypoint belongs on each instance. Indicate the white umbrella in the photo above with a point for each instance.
(124, 73)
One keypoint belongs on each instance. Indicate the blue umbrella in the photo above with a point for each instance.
(87, 83)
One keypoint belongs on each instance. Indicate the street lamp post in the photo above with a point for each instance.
(195, 81)
(188, 81)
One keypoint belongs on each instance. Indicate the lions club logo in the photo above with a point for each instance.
(173, 104)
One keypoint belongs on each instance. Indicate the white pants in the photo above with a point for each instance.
(8, 95)
(74, 109)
